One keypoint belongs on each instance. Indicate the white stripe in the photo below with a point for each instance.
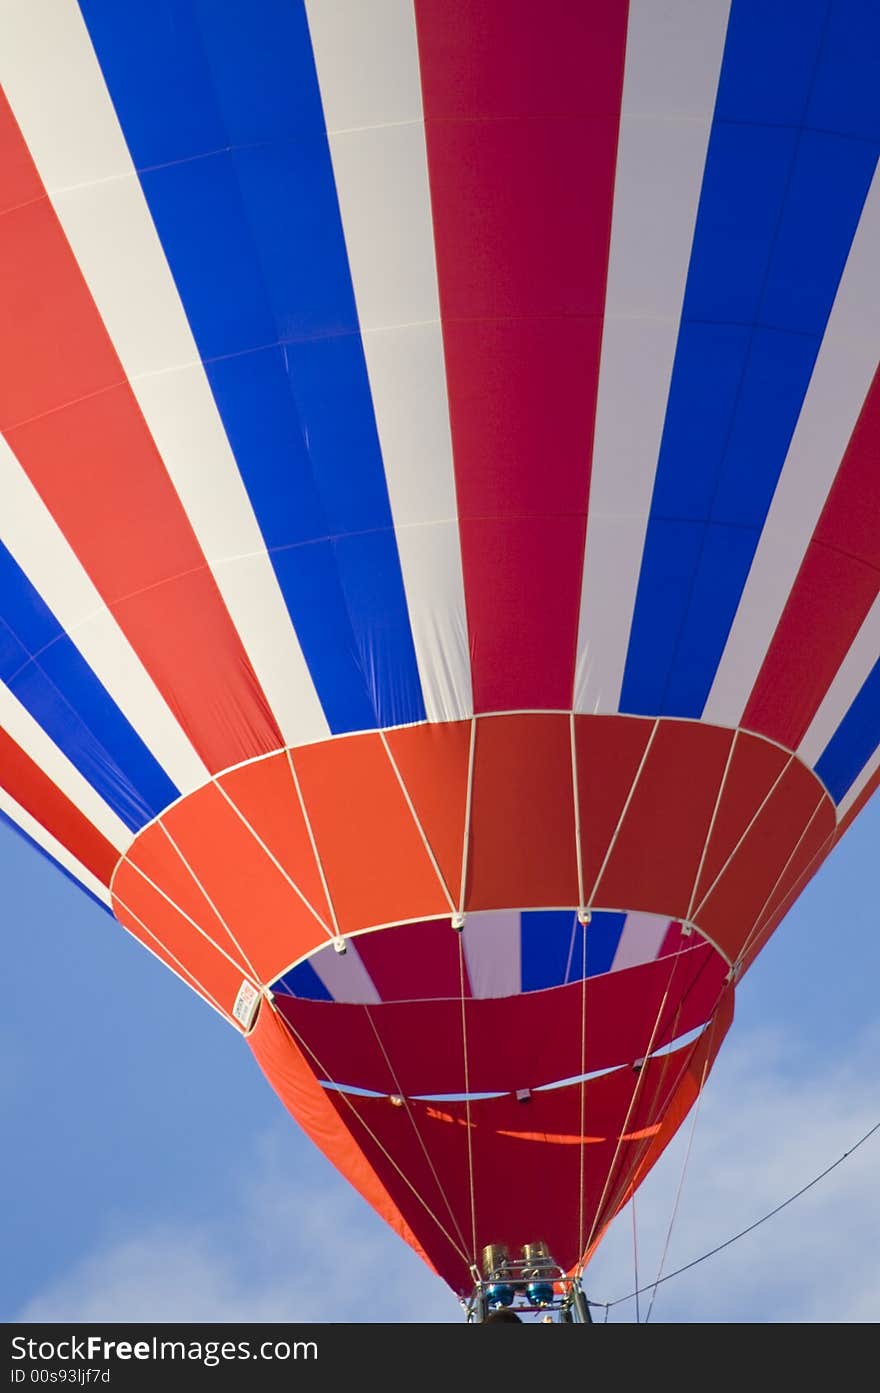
(641, 940)
(847, 683)
(58, 95)
(38, 833)
(493, 952)
(844, 368)
(345, 976)
(673, 59)
(18, 722)
(368, 69)
(40, 548)
(861, 782)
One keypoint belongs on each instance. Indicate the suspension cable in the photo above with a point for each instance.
(742, 1233)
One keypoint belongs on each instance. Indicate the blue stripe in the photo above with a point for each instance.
(552, 946)
(854, 741)
(222, 113)
(603, 935)
(302, 981)
(45, 671)
(791, 155)
(41, 850)
(545, 944)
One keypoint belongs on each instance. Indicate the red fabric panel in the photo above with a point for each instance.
(375, 861)
(704, 1053)
(522, 568)
(265, 793)
(526, 1158)
(609, 751)
(72, 419)
(836, 586)
(513, 1042)
(522, 845)
(414, 961)
(433, 763)
(657, 853)
(291, 1077)
(21, 183)
(203, 961)
(817, 842)
(521, 166)
(250, 893)
(33, 790)
(754, 767)
(260, 906)
(154, 854)
(741, 895)
(675, 941)
(164, 956)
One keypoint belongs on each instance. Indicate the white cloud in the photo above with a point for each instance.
(767, 1125)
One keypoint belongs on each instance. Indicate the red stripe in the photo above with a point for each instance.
(414, 961)
(72, 419)
(836, 586)
(33, 790)
(521, 158)
(675, 941)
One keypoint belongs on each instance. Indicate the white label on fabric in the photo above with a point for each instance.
(246, 1002)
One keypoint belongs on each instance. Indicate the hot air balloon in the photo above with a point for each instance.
(440, 566)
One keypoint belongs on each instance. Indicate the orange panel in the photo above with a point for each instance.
(742, 894)
(266, 794)
(164, 956)
(522, 845)
(263, 911)
(754, 767)
(657, 852)
(609, 750)
(375, 861)
(284, 1065)
(220, 978)
(433, 763)
(153, 853)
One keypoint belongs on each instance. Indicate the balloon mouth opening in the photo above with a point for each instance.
(521, 981)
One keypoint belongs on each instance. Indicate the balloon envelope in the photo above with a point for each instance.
(441, 545)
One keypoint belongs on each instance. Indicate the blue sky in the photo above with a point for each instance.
(150, 1173)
